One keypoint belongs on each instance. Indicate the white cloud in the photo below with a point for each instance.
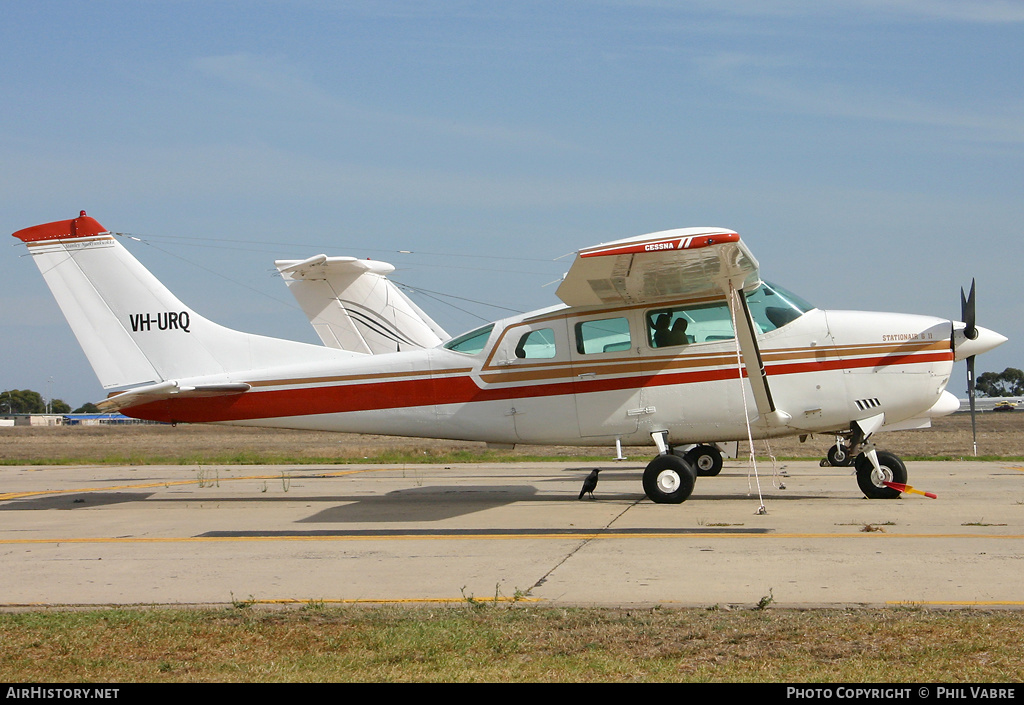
(981, 11)
(778, 84)
(278, 79)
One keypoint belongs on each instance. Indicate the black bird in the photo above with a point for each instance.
(590, 483)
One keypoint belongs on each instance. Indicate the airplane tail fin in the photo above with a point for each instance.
(131, 327)
(353, 306)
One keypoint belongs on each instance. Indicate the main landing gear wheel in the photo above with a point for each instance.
(705, 459)
(839, 456)
(870, 481)
(669, 479)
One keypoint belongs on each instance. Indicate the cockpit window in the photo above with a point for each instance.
(667, 327)
(472, 342)
(770, 307)
(681, 325)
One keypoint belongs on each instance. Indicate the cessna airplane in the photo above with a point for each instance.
(669, 339)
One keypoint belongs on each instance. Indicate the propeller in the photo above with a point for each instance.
(967, 313)
(971, 333)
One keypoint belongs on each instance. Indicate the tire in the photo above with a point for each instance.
(893, 470)
(669, 479)
(705, 459)
(839, 456)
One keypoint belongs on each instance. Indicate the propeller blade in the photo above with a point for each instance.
(970, 396)
(967, 313)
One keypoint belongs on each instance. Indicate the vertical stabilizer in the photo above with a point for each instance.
(132, 328)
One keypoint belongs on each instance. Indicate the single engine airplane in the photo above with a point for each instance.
(669, 339)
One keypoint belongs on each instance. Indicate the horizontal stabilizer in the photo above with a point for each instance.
(353, 306)
(168, 390)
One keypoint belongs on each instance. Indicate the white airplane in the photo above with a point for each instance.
(669, 339)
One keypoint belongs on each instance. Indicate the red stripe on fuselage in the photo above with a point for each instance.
(306, 401)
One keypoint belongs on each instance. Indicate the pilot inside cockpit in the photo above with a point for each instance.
(661, 333)
(678, 336)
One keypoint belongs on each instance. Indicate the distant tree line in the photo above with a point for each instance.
(1008, 383)
(27, 401)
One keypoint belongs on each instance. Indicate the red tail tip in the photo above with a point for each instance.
(82, 226)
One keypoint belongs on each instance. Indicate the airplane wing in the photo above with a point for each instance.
(672, 264)
(353, 306)
(688, 263)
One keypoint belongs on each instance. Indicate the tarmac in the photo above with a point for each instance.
(787, 534)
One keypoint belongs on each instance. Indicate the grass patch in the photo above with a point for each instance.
(1001, 438)
(385, 457)
(480, 643)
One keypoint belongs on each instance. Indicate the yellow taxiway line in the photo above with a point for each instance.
(442, 536)
(174, 483)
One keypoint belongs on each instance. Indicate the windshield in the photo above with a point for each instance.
(472, 342)
(773, 307)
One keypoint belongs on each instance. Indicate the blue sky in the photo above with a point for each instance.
(870, 153)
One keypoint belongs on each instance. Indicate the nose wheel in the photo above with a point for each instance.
(871, 479)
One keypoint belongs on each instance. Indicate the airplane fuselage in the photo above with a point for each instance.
(825, 368)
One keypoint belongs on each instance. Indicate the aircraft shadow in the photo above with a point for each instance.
(79, 500)
(426, 504)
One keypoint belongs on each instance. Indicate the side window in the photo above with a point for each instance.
(601, 336)
(537, 344)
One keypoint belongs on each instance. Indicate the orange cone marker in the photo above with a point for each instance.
(899, 487)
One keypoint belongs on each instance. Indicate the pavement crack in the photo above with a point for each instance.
(583, 543)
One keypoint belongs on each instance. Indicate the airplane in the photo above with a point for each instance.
(668, 339)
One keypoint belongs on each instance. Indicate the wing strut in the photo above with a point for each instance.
(735, 296)
(746, 335)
